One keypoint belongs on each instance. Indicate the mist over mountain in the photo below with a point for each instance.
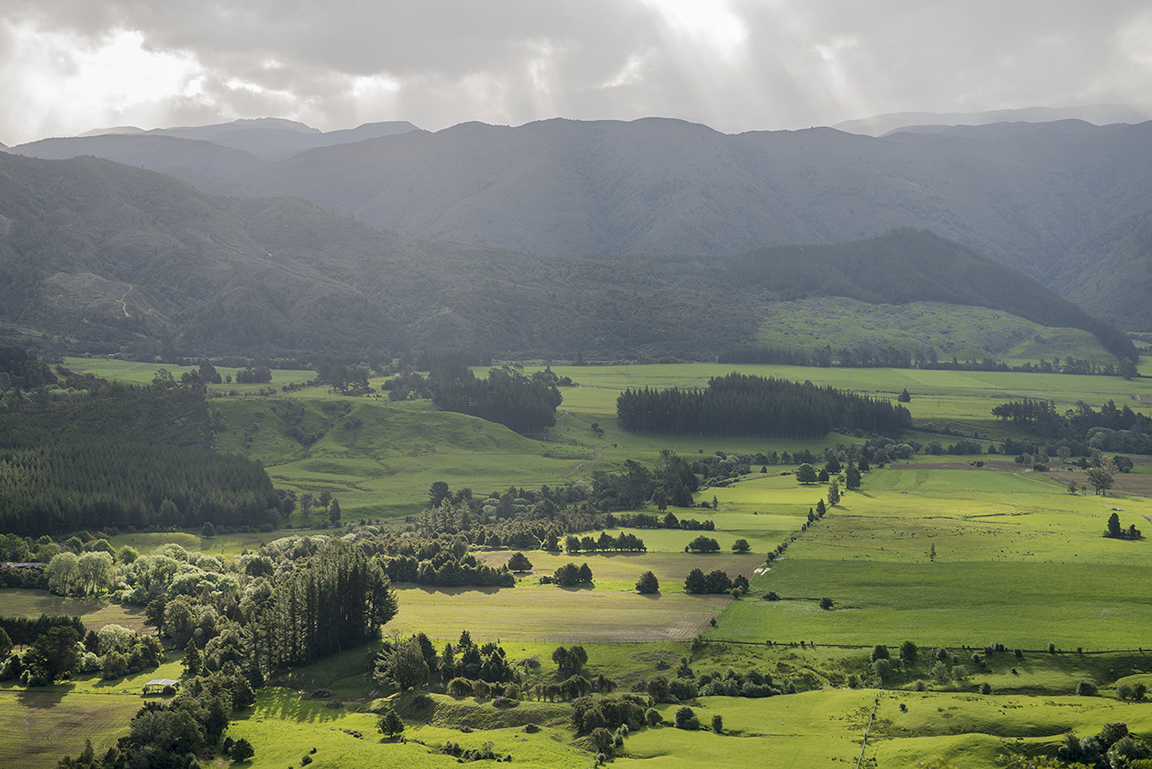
(202, 155)
(1048, 199)
(111, 258)
(1099, 114)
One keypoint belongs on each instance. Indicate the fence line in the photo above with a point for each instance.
(864, 742)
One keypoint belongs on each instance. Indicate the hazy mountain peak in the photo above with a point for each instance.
(1097, 114)
(244, 124)
(120, 129)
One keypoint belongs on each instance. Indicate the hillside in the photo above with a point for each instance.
(119, 259)
(1042, 198)
(1026, 195)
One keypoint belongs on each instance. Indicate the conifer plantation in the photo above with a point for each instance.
(739, 404)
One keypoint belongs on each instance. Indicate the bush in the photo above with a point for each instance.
(242, 750)
(1086, 689)
(686, 719)
(652, 717)
(826, 604)
(718, 724)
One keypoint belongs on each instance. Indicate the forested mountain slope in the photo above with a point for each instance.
(1026, 195)
(122, 259)
(1043, 198)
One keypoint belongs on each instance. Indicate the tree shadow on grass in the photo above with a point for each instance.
(286, 704)
(40, 698)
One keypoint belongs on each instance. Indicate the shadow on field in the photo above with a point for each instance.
(38, 699)
(287, 704)
(458, 590)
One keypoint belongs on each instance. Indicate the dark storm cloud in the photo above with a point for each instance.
(735, 65)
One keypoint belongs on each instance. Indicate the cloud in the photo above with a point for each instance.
(70, 65)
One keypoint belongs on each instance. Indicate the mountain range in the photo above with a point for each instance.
(1058, 201)
(106, 257)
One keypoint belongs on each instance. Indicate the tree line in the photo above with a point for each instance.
(740, 404)
(521, 403)
(923, 357)
(1082, 428)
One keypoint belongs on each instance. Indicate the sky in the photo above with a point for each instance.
(68, 66)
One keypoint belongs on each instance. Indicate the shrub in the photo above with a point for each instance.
(652, 717)
(1086, 689)
(826, 604)
(242, 750)
(717, 724)
(686, 719)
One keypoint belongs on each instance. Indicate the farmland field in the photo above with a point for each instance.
(932, 550)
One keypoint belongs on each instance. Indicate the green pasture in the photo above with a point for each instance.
(970, 730)
(813, 729)
(142, 373)
(547, 613)
(224, 546)
(620, 571)
(95, 611)
(38, 728)
(1029, 605)
(282, 728)
(953, 330)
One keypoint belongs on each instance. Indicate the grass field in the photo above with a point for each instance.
(96, 612)
(930, 550)
(550, 613)
(37, 728)
(964, 332)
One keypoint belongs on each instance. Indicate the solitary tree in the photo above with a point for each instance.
(806, 473)
(334, 512)
(1114, 529)
(1100, 479)
(208, 530)
(741, 546)
(1128, 369)
(242, 750)
(390, 723)
(519, 562)
(647, 584)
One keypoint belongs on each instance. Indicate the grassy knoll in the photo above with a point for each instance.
(815, 729)
(971, 730)
(282, 728)
(96, 612)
